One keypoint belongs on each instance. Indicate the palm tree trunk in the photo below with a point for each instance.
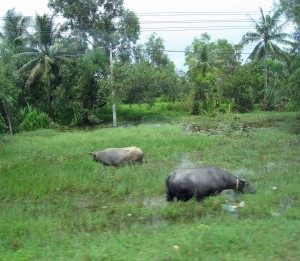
(7, 112)
(266, 77)
(49, 95)
(114, 111)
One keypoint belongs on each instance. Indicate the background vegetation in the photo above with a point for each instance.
(66, 71)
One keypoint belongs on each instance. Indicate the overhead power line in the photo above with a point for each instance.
(179, 21)
(198, 13)
(207, 28)
(203, 21)
(178, 14)
(194, 21)
(209, 24)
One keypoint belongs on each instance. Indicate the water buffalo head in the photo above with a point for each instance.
(94, 155)
(244, 186)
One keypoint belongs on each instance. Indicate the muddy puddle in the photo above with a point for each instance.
(221, 129)
(225, 128)
(283, 205)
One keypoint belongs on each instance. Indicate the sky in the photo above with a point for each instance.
(177, 22)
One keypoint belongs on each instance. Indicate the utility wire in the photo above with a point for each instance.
(166, 14)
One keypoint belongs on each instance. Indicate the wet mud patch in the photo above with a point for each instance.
(223, 128)
(293, 142)
(284, 205)
(220, 129)
(150, 215)
(91, 203)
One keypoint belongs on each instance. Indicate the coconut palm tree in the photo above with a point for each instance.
(15, 28)
(46, 52)
(197, 57)
(268, 34)
(200, 64)
(8, 89)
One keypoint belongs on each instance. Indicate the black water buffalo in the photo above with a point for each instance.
(202, 182)
(119, 156)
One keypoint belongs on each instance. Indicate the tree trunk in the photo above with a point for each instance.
(7, 112)
(266, 78)
(114, 111)
(115, 124)
(49, 95)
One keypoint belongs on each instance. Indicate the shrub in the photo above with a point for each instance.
(34, 119)
(238, 88)
(292, 106)
(209, 108)
(226, 106)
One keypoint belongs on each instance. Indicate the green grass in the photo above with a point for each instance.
(58, 204)
(140, 113)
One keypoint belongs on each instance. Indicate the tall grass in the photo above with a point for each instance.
(58, 204)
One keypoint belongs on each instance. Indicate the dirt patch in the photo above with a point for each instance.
(293, 142)
(283, 206)
(221, 128)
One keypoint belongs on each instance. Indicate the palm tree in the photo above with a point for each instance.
(268, 33)
(15, 28)
(45, 55)
(200, 64)
(8, 89)
(197, 57)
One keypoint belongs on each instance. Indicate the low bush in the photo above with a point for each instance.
(34, 119)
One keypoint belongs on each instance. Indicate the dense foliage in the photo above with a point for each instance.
(73, 71)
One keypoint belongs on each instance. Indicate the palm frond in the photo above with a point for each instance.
(279, 28)
(64, 59)
(275, 50)
(261, 53)
(44, 31)
(35, 74)
(249, 37)
(48, 64)
(15, 27)
(26, 55)
(256, 25)
(256, 51)
(279, 36)
(275, 18)
(29, 65)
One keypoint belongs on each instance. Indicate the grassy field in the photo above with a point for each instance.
(58, 204)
